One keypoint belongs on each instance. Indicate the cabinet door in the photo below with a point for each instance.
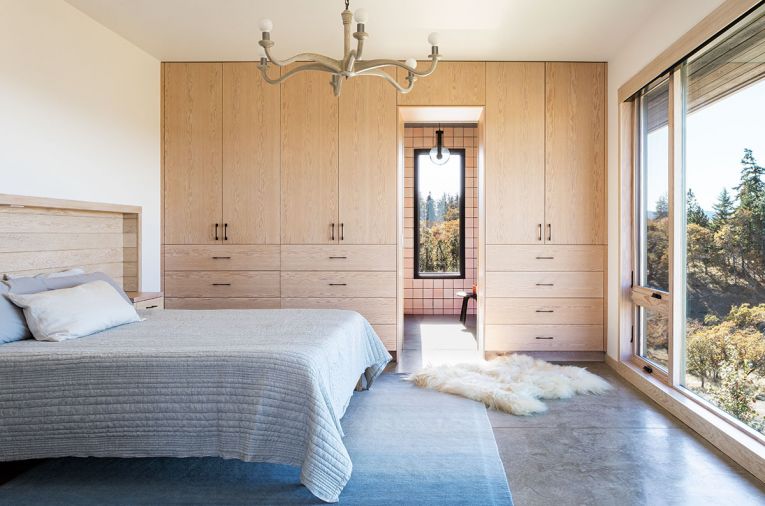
(309, 159)
(367, 162)
(515, 147)
(575, 202)
(453, 83)
(192, 138)
(250, 156)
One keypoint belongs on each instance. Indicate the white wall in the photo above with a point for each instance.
(79, 114)
(665, 26)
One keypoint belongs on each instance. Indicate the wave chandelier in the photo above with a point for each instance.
(351, 65)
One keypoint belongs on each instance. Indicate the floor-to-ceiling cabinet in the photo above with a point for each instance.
(545, 206)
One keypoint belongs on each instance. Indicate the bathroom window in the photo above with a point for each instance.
(439, 216)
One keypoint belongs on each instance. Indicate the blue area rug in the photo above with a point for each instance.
(408, 446)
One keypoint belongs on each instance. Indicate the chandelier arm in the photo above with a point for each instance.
(302, 68)
(365, 66)
(381, 73)
(312, 57)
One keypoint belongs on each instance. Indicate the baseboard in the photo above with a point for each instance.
(554, 356)
(744, 449)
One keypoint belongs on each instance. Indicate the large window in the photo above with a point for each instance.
(439, 216)
(699, 283)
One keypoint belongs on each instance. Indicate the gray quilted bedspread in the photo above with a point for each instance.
(255, 385)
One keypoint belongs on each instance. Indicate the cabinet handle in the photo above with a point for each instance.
(225, 231)
(221, 284)
(221, 258)
(151, 307)
(539, 232)
(216, 231)
(337, 258)
(545, 284)
(549, 232)
(544, 337)
(332, 235)
(342, 231)
(545, 311)
(545, 258)
(338, 284)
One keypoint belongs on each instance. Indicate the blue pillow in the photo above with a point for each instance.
(13, 326)
(24, 286)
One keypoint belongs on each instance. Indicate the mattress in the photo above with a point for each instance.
(255, 385)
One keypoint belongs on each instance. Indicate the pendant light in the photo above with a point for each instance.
(440, 153)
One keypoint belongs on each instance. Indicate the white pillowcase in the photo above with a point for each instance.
(68, 313)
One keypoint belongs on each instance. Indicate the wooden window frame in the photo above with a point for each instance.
(738, 441)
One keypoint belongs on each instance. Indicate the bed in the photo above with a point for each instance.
(256, 385)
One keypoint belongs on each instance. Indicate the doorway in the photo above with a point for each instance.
(439, 264)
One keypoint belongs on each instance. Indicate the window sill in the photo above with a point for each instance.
(740, 446)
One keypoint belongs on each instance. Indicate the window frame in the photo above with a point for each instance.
(416, 205)
(675, 300)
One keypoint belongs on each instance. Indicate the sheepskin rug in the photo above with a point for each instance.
(512, 383)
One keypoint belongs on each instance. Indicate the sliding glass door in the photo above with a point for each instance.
(699, 260)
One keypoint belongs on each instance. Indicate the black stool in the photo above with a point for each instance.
(466, 296)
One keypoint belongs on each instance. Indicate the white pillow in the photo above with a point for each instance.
(57, 315)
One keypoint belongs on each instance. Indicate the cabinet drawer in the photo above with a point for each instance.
(158, 303)
(221, 284)
(338, 284)
(537, 311)
(376, 310)
(544, 284)
(222, 303)
(544, 338)
(387, 334)
(221, 258)
(544, 257)
(339, 258)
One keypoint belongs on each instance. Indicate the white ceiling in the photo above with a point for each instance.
(178, 30)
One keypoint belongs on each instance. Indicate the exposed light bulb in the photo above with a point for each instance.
(411, 63)
(361, 16)
(266, 25)
(434, 39)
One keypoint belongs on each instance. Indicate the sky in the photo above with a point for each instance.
(715, 140)
(439, 179)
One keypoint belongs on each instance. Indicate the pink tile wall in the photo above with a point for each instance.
(436, 296)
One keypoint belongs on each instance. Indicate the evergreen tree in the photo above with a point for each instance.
(696, 214)
(749, 217)
(430, 211)
(752, 187)
(662, 207)
(724, 209)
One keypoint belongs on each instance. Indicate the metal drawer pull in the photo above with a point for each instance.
(338, 284)
(342, 231)
(544, 337)
(337, 258)
(332, 235)
(539, 232)
(545, 284)
(545, 258)
(221, 284)
(545, 311)
(656, 295)
(151, 307)
(221, 258)
(216, 231)
(549, 232)
(225, 231)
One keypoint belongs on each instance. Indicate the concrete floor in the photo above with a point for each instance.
(619, 448)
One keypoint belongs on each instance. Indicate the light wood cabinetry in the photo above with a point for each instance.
(545, 206)
(453, 83)
(251, 150)
(192, 152)
(575, 159)
(309, 148)
(221, 185)
(341, 257)
(515, 147)
(367, 162)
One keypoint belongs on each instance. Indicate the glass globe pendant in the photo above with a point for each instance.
(440, 153)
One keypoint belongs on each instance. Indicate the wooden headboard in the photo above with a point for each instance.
(40, 235)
